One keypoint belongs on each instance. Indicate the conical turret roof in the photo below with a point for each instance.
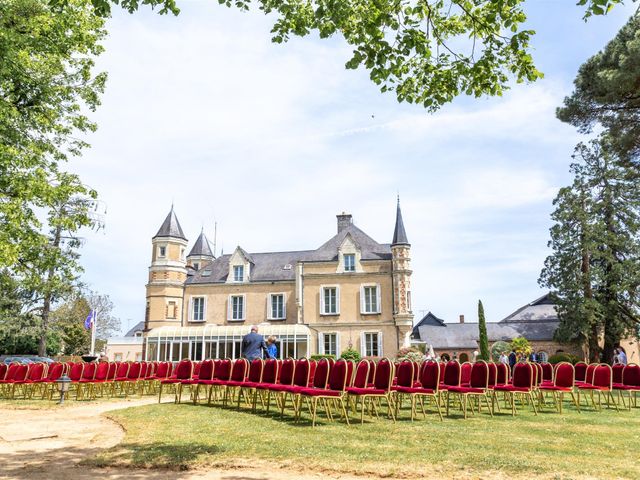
(399, 234)
(171, 227)
(201, 248)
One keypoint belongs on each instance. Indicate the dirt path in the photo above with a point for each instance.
(49, 444)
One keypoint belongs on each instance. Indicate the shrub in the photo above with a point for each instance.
(351, 354)
(321, 356)
(521, 345)
(409, 353)
(498, 348)
(563, 357)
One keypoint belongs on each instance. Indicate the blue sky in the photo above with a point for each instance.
(272, 141)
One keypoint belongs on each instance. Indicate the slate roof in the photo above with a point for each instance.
(170, 227)
(201, 247)
(428, 319)
(138, 327)
(399, 234)
(271, 266)
(536, 321)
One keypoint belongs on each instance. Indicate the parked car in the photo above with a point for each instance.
(27, 359)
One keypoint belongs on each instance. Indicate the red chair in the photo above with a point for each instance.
(547, 373)
(205, 375)
(184, 371)
(616, 371)
(37, 372)
(452, 375)
(270, 375)
(602, 383)
(88, 375)
(101, 373)
(493, 375)
(333, 393)
(239, 371)
(465, 374)
(564, 382)
(503, 373)
(48, 383)
(301, 378)
(522, 385)
(130, 384)
(254, 378)
(630, 384)
(478, 387)
(320, 379)
(120, 377)
(372, 373)
(3, 370)
(16, 376)
(221, 375)
(429, 380)
(404, 380)
(580, 372)
(381, 389)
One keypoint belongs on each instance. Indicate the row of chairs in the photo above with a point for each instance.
(87, 380)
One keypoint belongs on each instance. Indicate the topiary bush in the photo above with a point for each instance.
(563, 357)
(351, 354)
(499, 347)
(409, 353)
(319, 356)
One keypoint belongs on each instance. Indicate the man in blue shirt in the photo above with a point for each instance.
(253, 345)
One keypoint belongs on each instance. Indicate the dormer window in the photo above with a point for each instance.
(238, 273)
(349, 262)
(196, 266)
(162, 251)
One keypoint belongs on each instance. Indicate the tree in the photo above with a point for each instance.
(46, 87)
(106, 324)
(521, 346)
(427, 51)
(607, 94)
(594, 270)
(485, 354)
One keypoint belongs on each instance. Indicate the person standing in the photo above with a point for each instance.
(272, 348)
(253, 345)
(622, 357)
(504, 359)
(512, 360)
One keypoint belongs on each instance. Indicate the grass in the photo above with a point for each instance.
(572, 445)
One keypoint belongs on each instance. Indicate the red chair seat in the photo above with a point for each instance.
(593, 387)
(234, 383)
(264, 386)
(628, 388)
(466, 390)
(546, 383)
(426, 391)
(169, 380)
(366, 391)
(511, 388)
(189, 381)
(320, 392)
(251, 384)
(555, 388)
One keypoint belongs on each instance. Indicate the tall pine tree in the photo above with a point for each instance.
(594, 271)
(485, 354)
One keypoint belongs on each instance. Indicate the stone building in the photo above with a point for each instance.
(537, 321)
(350, 292)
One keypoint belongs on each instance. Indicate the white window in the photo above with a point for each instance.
(349, 262)
(117, 357)
(329, 344)
(238, 273)
(370, 299)
(162, 251)
(329, 300)
(372, 344)
(236, 307)
(197, 309)
(277, 308)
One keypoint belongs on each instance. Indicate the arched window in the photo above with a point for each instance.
(445, 357)
(542, 356)
(464, 357)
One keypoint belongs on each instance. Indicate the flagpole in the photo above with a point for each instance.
(93, 333)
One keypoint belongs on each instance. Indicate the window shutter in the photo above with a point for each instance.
(269, 306)
(322, 300)
(190, 308)
(204, 309)
(362, 300)
(363, 345)
(284, 305)
(380, 352)
(378, 304)
(320, 343)
(229, 308)
(338, 349)
(337, 300)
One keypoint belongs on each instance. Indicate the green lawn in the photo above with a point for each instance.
(591, 444)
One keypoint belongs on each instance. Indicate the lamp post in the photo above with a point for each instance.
(63, 387)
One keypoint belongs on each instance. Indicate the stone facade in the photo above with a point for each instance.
(352, 292)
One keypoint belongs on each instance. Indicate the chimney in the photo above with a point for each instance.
(344, 220)
(461, 318)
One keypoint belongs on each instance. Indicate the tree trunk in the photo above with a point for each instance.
(46, 305)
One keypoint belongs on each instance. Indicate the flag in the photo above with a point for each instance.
(88, 323)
